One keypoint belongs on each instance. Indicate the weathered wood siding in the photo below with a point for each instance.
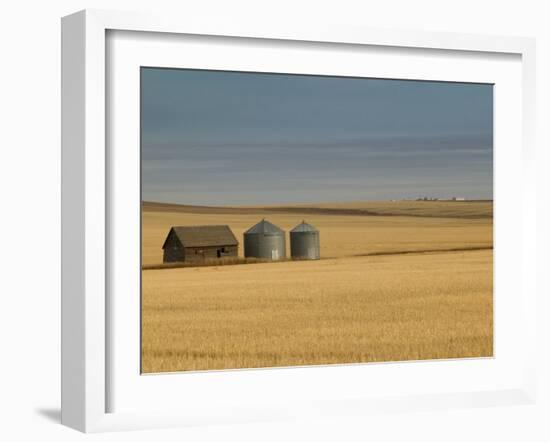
(198, 254)
(173, 251)
(174, 254)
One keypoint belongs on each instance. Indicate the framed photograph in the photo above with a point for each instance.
(267, 223)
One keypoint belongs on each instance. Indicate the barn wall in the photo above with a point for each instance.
(231, 250)
(174, 254)
(198, 254)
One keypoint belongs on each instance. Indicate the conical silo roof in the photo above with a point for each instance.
(304, 227)
(265, 227)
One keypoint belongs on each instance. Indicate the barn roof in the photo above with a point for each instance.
(304, 227)
(203, 236)
(265, 227)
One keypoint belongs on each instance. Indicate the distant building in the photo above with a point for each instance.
(197, 243)
(458, 198)
(427, 198)
(265, 241)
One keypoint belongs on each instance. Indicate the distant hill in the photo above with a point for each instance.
(434, 209)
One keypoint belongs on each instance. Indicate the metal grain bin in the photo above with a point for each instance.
(265, 241)
(304, 242)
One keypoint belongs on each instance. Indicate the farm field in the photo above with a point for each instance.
(439, 209)
(348, 234)
(397, 281)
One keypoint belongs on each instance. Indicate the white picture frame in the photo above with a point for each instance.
(87, 355)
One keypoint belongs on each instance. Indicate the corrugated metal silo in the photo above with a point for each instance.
(266, 241)
(304, 242)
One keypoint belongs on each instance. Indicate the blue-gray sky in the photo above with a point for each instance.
(222, 138)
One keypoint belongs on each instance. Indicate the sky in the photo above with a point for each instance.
(228, 138)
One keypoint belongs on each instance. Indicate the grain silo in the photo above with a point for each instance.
(265, 241)
(304, 242)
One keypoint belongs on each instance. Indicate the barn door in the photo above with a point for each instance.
(274, 254)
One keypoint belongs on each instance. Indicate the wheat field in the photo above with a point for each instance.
(431, 303)
(341, 234)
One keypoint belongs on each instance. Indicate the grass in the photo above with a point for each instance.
(428, 209)
(365, 309)
(389, 287)
(341, 235)
(213, 262)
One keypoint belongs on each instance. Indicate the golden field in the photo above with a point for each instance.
(347, 234)
(435, 302)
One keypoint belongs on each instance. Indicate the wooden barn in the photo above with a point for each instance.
(197, 243)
